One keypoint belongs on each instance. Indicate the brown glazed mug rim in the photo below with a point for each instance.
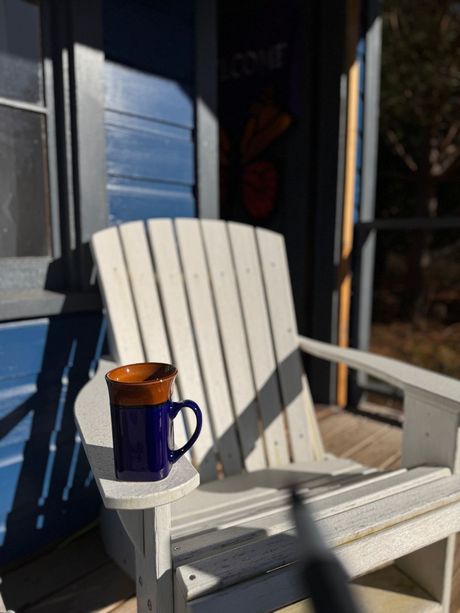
(143, 390)
(154, 381)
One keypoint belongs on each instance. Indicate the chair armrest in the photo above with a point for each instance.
(92, 414)
(431, 402)
(401, 375)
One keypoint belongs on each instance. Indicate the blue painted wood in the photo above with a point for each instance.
(149, 108)
(21, 347)
(149, 155)
(155, 36)
(147, 95)
(56, 522)
(133, 199)
(140, 124)
(47, 491)
(43, 470)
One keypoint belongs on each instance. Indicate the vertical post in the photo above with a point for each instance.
(327, 91)
(363, 275)
(154, 580)
(344, 281)
(88, 130)
(207, 128)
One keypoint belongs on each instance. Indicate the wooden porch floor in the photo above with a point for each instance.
(78, 577)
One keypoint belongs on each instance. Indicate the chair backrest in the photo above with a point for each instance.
(215, 299)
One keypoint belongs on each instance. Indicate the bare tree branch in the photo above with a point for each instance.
(400, 150)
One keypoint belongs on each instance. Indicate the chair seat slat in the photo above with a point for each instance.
(325, 497)
(258, 555)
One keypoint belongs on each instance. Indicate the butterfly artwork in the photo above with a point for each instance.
(248, 171)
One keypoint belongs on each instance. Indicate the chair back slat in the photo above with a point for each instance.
(181, 335)
(206, 330)
(150, 319)
(215, 299)
(251, 289)
(234, 342)
(304, 436)
(125, 338)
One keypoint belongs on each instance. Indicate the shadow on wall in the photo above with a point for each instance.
(47, 488)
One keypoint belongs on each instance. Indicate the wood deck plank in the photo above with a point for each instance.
(100, 591)
(54, 571)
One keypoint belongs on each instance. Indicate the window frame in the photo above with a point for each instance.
(73, 64)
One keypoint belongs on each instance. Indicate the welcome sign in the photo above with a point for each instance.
(258, 104)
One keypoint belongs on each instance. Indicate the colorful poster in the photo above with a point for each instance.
(259, 80)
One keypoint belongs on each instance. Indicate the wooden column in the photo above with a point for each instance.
(344, 281)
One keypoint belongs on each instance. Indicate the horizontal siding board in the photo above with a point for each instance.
(145, 35)
(157, 127)
(147, 95)
(21, 347)
(132, 199)
(17, 434)
(56, 522)
(58, 484)
(22, 386)
(43, 471)
(149, 156)
(15, 391)
(149, 108)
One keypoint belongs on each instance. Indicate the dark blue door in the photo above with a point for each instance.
(149, 108)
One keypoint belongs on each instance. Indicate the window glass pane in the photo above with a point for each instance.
(21, 71)
(24, 197)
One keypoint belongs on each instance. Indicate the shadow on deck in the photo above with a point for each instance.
(78, 577)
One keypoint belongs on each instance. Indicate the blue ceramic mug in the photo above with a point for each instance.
(142, 415)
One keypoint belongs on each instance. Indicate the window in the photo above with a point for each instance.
(52, 154)
(24, 198)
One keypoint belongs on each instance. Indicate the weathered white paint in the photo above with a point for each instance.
(225, 534)
(385, 591)
(432, 567)
(181, 336)
(126, 344)
(147, 304)
(395, 372)
(250, 493)
(234, 342)
(257, 325)
(350, 528)
(213, 293)
(303, 430)
(154, 580)
(208, 343)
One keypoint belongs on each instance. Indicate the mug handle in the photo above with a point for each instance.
(175, 454)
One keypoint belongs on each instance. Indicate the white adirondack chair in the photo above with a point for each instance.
(215, 299)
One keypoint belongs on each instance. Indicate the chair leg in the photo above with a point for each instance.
(431, 568)
(154, 585)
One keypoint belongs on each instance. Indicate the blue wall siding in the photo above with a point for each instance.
(47, 491)
(149, 109)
